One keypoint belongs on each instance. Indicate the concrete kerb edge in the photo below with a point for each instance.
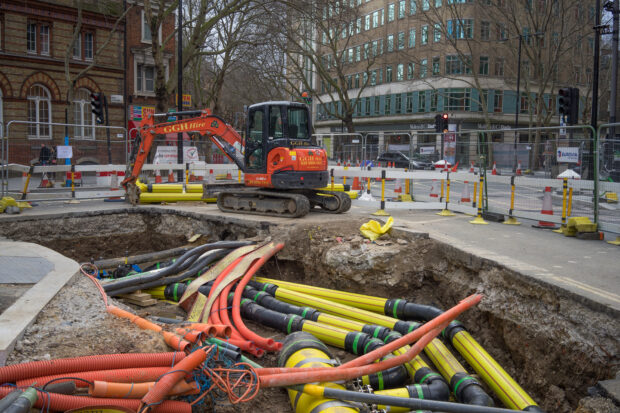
(23, 312)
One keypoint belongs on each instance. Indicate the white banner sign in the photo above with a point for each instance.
(424, 150)
(65, 152)
(168, 154)
(570, 155)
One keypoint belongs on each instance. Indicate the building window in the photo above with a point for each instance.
(38, 38)
(367, 106)
(484, 30)
(373, 78)
(375, 19)
(390, 43)
(83, 116)
(434, 95)
(387, 109)
(421, 102)
(426, 5)
(460, 29)
(411, 37)
(484, 65)
(423, 68)
(498, 101)
(357, 80)
(377, 105)
(409, 103)
(437, 32)
(499, 67)
(455, 65)
(400, 69)
(391, 12)
(502, 33)
(413, 7)
(89, 45)
(77, 47)
(424, 39)
(388, 74)
(401, 9)
(410, 70)
(367, 22)
(524, 103)
(39, 110)
(398, 103)
(436, 69)
(401, 40)
(147, 37)
(457, 99)
(145, 78)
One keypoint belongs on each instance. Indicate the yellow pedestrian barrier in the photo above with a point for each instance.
(479, 220)
(446, 212)
(511, 220)
(381, 212)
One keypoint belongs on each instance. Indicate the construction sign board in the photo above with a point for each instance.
(568, 154)
(168, 155)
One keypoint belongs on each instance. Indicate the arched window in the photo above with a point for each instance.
(39, 110)
(83, 115)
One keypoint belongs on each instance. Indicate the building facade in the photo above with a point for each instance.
(39, 61)
(405, 61)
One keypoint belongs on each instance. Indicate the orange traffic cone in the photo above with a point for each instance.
(434, 190)
(454, 168)
(228, 175)
(519, 172)
(471, 168)
(398, 186)
(547, 209)
(465, 197)
(338, 162)
(494, 172)
(170, 176)
(211, 179)
(45, 182)
(158, 179)
(356, 184)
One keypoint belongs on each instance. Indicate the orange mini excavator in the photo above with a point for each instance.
(280, 164)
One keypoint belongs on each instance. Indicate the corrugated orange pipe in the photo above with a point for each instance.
(9, 374)
(137, 390)
(138, 375)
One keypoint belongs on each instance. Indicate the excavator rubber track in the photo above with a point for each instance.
(329, 202)
(264, 202)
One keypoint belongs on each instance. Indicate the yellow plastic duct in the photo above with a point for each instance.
(445, 362)
(307, 356)
(399, 392)
(508, 391)
(149, 198)
(365, 302)
(169, 188)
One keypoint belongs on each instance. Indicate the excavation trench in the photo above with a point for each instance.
(554, 344)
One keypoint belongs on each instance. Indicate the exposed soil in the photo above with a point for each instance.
(554, 346)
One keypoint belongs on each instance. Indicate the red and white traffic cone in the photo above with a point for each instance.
(398, 186)
(465, 197)
(471, 168)
(356, 184)
(158, 179)
(494, 171)
(211, 179)
(170, 176)
(434, 190)
(338, 164)
(547, 209)
(114, 185)
(519, 172)
(228, 175)
(45, 182)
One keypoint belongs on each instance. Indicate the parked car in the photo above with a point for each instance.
(400, 160)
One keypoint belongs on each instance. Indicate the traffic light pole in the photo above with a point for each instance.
(180, 85)
(107, 129)
(518, 105)
(595, 69)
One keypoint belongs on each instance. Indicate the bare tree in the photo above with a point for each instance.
(317, 38)
(72, 76)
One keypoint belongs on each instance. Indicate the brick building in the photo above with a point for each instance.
(36, 51)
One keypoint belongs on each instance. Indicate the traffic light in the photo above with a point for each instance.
(568, 103)
(438, 123)
(444, 122)
(97, 102)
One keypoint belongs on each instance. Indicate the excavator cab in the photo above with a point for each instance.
(271, 125)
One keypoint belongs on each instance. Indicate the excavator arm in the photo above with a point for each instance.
(220, 133)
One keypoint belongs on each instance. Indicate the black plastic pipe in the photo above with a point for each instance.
(139, 259)
(176, 267)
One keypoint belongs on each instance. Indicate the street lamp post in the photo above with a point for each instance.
(518, 103)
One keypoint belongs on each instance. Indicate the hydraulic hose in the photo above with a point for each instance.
(137, 375)
(174, 268)
(199, 265)
(503, 385)
(12, 373)
(302, 350)
(61, 402)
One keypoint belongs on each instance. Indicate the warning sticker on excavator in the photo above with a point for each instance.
(293, 155)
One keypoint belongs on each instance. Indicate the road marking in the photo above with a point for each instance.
(610, 296)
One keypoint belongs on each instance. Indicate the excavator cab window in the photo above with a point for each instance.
(297, 123)
(254, 149)
(275, 123)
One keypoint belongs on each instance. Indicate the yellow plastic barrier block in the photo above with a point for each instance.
(611, 197)
(581, 224)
